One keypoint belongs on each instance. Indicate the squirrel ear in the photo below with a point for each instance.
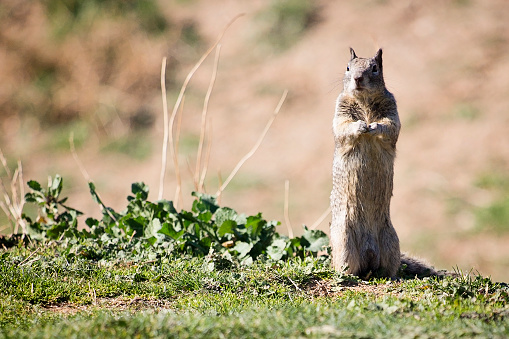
(352, 54)
(378, 57)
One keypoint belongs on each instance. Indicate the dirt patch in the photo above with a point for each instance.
(331, 288)
(316, 288)
(117, 304)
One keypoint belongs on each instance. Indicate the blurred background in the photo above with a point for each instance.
(93, 68)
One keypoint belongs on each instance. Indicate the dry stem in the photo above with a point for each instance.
(184, 87)
(178, 189)
(321, 219)
(204, 120)
(286, 214)
(220, 183)
(206, 165)
(84, 172)
(13, 204)
(253, 150)
(165, 126)
(78, 162)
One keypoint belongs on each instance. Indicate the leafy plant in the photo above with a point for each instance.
(52, 222)
(152, 230)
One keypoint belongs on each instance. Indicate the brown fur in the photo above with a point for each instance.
(366, 128)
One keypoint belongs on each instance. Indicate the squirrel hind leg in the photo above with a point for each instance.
(372, 258)
(370, 264)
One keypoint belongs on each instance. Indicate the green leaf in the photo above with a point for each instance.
(255, 224)
(152, 240)
(56, 186)
(205, 202)
(167, 229)
(135, 224)
(91, 222)
(167, 206)
(276, 251)
(225, 213)
(32, 197)
(70, 209)
(153, 228)
(94, 194)
(35, 231)
(226, 227)
(205, 216)
(314, 240)
(34, 185)
(56, 231)
(242, 248)
(206, 242)
(140, 190)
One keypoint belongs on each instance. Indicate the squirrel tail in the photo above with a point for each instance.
(412, 267)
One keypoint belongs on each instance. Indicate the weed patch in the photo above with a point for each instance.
(148, 230)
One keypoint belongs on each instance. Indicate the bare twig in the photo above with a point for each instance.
(287, 217)
(21, 182)
(220, 183)
(93, 295)
(321, 219)
(186, 82)
(206, 165)
(7, 213)
(178, 190)
(294, 284)
(13, 204)
(31, 255)
(14, 188)
(253, 150)
(84, 172)
(4, 163)
(165, 127)
(77, 159)
(204, 120)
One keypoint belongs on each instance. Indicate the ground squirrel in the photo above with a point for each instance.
(366, 127)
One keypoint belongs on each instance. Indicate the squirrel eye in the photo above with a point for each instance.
(374, 69)
(347, 68)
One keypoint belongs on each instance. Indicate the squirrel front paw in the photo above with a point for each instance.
(359, 127)
(373, 128)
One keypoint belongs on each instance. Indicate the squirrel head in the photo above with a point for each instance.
(364, 76)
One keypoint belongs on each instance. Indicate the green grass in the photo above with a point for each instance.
(59, 136)
(491, 217)
(124, 279)
(134, 145)
(467, 111)
(494, 216)
(67, 16)
(285, 22)
(44, 294)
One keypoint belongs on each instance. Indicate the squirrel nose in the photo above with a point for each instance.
(358, 79)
